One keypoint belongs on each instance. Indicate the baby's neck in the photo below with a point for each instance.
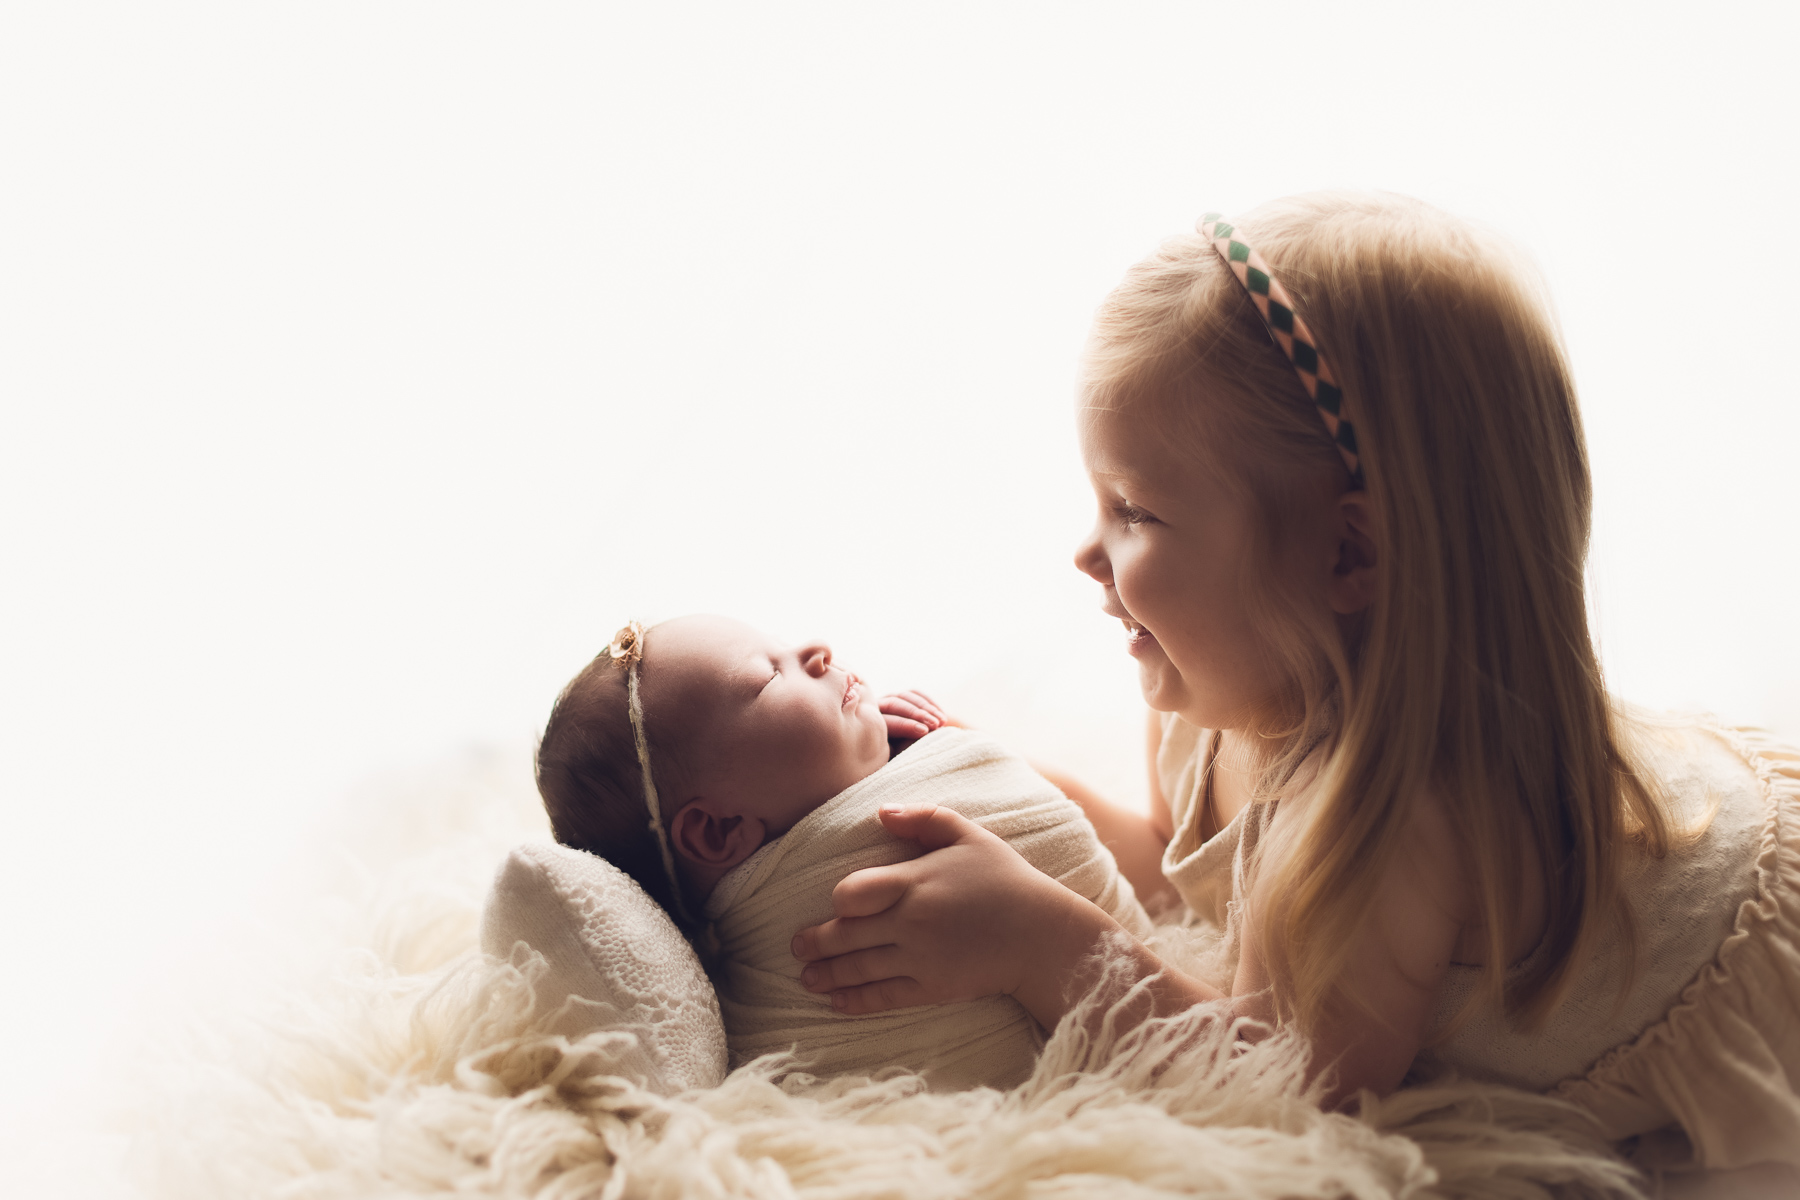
(698, 879)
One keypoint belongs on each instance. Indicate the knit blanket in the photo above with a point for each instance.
(787, 885)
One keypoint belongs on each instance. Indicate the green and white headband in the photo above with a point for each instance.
(627, 650)
(1290, 333)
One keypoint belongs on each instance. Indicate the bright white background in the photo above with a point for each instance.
(364, 365)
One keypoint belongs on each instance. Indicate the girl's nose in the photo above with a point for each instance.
(1090, 557)
(814, 658)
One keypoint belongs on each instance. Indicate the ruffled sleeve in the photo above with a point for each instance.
(1724, 1062)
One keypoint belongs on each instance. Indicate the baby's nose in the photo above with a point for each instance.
(815, 657)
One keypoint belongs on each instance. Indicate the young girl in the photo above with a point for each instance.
(1343, 515)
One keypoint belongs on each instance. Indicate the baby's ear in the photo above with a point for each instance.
(706, 834)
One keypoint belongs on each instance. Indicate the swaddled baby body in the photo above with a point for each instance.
(766, 765)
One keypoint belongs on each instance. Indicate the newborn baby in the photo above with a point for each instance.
(766, 765)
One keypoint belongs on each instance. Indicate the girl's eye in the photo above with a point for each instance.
(1131, 514)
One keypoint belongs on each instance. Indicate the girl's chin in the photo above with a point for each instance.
(1164, 689)
(1155, 681)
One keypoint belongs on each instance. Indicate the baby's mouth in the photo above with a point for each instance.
(851, 692)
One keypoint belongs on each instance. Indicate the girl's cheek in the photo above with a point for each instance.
(1138, 581)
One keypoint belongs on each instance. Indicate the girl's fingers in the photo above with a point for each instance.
(844, 935)
(931, 825)
(850, 970)
(869, 891)
(900, 992)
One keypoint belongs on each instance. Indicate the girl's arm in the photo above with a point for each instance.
(1385, 1001)
(972, 918)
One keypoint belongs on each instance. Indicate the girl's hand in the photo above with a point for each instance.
(912, 715)
(971, 918)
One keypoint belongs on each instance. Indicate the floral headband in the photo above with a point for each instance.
(1290, 333)
(627, 650)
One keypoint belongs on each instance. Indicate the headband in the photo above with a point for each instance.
(627, 649)
(1289, 332)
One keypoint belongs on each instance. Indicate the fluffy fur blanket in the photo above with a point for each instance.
(360, 1046)
(787, 885)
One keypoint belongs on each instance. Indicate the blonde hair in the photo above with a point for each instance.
(1472, 675)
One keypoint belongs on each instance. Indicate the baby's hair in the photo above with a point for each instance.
(1473, 673)
(588, 776)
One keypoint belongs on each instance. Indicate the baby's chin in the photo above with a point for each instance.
(874, 728)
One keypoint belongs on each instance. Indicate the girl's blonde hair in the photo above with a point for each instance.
(1472, 675)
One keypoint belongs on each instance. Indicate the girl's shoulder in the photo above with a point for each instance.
(1425, 876)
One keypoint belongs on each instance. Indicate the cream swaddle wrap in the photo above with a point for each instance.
(787, 885)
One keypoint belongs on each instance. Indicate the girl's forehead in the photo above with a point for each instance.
(1125, 443)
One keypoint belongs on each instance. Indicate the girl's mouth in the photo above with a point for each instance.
(1138, 639)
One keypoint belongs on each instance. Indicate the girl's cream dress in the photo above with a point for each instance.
(1707, 1036)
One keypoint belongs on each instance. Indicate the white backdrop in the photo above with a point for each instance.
(365, 364)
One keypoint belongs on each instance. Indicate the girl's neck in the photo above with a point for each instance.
(1237, 764)
(1240, 773)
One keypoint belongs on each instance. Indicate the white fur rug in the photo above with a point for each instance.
(357, 1045)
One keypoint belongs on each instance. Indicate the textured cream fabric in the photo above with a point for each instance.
(409, 1065)
(1203, 872)
(1683, 906)
(1708, 1035)
(788, 883)
(1724, 1060)
(613, 960)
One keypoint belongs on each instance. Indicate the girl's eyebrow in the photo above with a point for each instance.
(1134, 482)
(1117, 471)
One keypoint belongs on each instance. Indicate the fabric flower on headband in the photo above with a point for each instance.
(627, 646)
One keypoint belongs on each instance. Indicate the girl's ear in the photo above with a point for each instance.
(1352, 585)
(707, 834)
